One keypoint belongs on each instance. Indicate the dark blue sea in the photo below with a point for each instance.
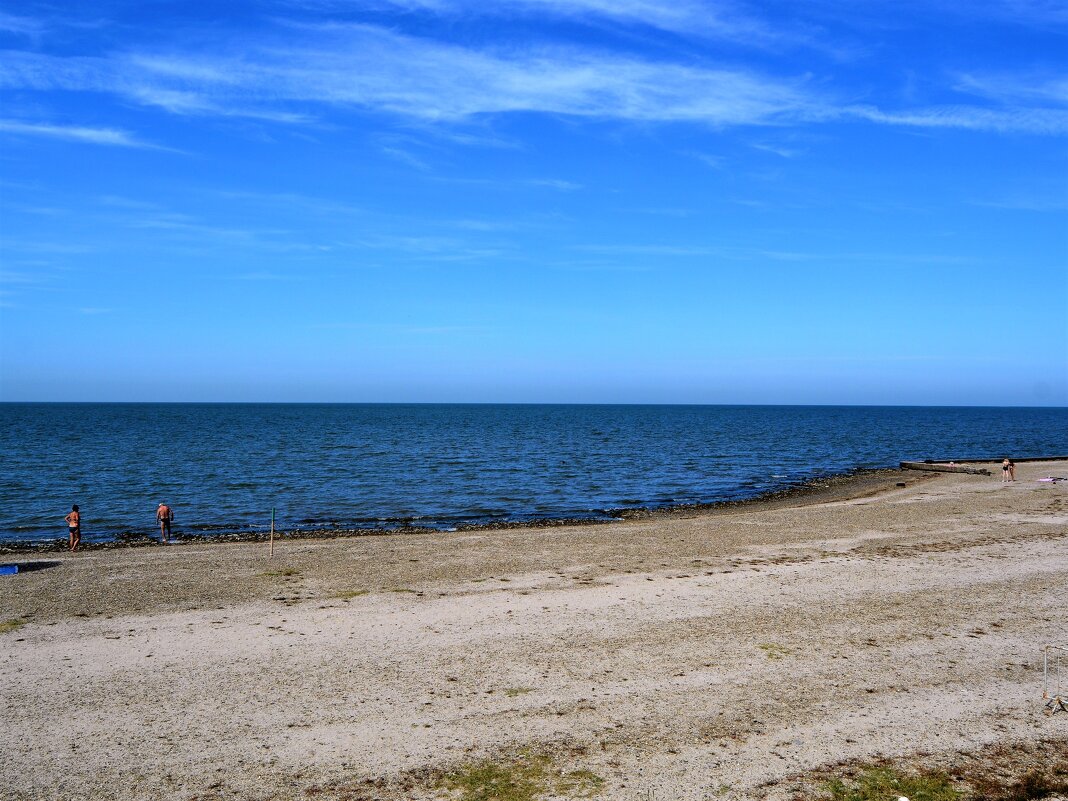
(222, 467)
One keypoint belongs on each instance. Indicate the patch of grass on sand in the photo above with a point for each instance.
(886, 784)
(11, 625)
(578, 784)
(285, 571)
(347, 594)
(1014, 771)
(772, 650)
(404, 589)
(1033, 784)
(512, 692)
(528, 777)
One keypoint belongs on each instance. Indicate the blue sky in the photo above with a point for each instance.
(535, 200)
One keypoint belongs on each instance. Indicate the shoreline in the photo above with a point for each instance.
(855, 483)
(745, 648)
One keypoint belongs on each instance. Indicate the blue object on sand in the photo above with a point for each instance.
(8, 570)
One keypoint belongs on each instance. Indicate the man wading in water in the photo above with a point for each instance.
(164, 516)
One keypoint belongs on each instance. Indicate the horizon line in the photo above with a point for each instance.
(533, 403)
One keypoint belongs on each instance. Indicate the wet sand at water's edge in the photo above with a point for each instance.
(721, 653)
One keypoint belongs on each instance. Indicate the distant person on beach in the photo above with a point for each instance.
(164, 516)
(1012, 470)
(1007, 468)
(74, 525)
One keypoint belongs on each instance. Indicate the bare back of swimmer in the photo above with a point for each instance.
(74, 527)
(164, 516)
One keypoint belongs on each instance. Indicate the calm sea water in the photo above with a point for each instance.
(224, 466)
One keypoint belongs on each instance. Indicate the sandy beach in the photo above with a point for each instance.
(734, 653)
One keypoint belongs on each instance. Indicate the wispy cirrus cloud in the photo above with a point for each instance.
(33, 246)
(200, 103)
(693, 18)
(432, 248)
(266, 276)
(1036, 13)
(187, 228)
(12, 277)
(25, 26)
(374, 68)
(78, 133)
(371, 68)
(185, 84)
(404, 156)
(708, 159)
(778, 150)
(554, 183)
(885, 15)
(747, 253)
(400, 328)
(1043, 89)
(1002, 120)
(1024, 203)
(295, 203)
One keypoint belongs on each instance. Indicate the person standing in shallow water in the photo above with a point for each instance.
(74, 526)
(164, 516)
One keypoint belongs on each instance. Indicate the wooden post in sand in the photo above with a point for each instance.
(272, 532)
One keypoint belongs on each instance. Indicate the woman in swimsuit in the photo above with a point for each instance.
(1006, 466)
(74, 524)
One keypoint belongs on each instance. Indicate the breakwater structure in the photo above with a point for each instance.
(962, 465)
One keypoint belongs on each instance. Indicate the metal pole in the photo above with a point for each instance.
(272, 532)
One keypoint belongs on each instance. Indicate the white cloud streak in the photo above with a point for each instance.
(1012, 120)
(1035, 13)
(24, 26)
(1045, 90)
(743, 253)
(691, 18)
(554, 183)
(370, 68)
(708, 159)
(783, 152)
(96, 136)
(405, 157)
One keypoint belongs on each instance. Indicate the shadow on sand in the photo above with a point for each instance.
(27, 567)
